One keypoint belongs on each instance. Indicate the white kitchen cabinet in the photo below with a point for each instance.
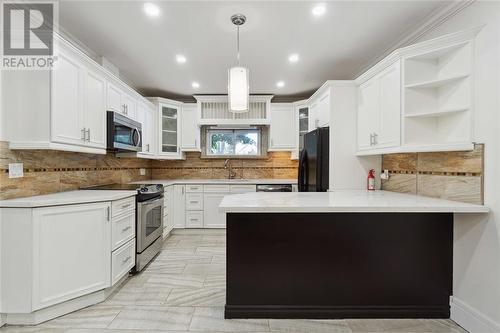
(67, 101)
(179, 199)
(190, 130)
(170, 120)
(122, 261)
(168, 210)
(54, 254)
(146, 115)
(319, 108)
(379, 110)
(95, 109)
(282, 129)
(212, 217)
(121, 100)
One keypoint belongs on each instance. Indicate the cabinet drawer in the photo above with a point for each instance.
(122, 261)
(119, 207)
(242, 188)
(216, 189)
(122, 229)
(194, 188)
(194, 201)
(194, 219)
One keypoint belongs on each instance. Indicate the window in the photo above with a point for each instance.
(237, 142)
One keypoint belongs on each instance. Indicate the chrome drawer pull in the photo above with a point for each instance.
(127, 228)
(193, 202)
(127, 205)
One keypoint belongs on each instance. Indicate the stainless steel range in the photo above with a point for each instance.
(149, 219)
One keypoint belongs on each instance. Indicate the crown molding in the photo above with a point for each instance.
(413, 34)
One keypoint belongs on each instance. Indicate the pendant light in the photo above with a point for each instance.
(237, 86)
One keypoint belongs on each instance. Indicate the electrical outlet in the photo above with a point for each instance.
(16, 170)
(142, 171)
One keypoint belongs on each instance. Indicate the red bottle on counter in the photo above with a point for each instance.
(370, 181)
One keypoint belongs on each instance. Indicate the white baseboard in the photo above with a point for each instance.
(471, 319)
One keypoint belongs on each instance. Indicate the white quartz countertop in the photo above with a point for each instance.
(66, 198)
(342, 201)
(166, 182)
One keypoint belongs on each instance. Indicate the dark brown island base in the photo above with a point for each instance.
(373, 262)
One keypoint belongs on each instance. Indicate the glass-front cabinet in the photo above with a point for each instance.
(170, 124)
(303, 124)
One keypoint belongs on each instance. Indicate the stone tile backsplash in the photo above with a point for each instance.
(447, 175)
(47, 171)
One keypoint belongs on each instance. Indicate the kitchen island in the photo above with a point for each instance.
(342, 254)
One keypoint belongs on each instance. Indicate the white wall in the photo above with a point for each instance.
(476, 276)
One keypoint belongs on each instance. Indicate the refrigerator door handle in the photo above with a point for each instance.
(302, 171)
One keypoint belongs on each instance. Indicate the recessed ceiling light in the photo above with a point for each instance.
(195, 85)
(280, 84)
(294, 57)
(319, 9)
(151, 9)
(180, 58)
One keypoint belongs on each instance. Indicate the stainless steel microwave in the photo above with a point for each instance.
(123, 134)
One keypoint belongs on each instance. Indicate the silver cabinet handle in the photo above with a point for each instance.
(87, 136)
(126, 205)
(147, 147)
(127, 228)
(126, 259)
(375, 138)
(83, 134)
(193, 220)
(193, 202)
(108, 213)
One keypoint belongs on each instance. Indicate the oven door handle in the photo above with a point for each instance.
(149, 203)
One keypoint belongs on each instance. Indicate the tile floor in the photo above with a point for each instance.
(183, 289)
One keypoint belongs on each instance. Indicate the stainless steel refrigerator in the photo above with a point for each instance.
(314, 161)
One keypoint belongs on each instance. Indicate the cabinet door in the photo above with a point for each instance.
(388, 134)
(282, 129)
(170, 125)
(69, 264)
(95, 109)
(212, 217)
(67, 101)
(114, 99)
(368, 107)
(313, 117)
(323, 110)
(168, 210)
(150, 129)
(190, 133)
(179, 206)
(129, 104)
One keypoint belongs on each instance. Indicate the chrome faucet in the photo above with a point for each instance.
(227, 164)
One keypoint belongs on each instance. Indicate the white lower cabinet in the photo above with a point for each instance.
(51, 255)
(194, 219)
(122, 261)
(212, 217)
(168, 210)
(179, 212)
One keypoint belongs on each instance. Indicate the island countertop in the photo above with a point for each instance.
(343, 201)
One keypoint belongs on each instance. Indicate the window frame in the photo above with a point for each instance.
(208, 130)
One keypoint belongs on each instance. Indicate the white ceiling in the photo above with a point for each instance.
(337, 45)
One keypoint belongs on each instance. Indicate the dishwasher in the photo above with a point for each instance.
(275, 188)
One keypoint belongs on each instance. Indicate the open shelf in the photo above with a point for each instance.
(436, 83)
(437, 113)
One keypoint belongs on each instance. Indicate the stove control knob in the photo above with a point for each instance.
(158, 187)
(144, 189)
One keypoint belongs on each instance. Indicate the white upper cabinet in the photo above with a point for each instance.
(67, 101)
(121, 100)
(190, 130)
(146, 115)
(422, 102)
(95, 109)
(379, 110)
(170, 121)
(78, 103)
(282, 134)
(319, 108)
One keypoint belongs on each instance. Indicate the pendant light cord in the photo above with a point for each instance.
(238, 44)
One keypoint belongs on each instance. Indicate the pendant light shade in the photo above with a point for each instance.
(238, 89)
(237, 82)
